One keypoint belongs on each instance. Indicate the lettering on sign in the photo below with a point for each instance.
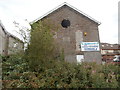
(90, 46)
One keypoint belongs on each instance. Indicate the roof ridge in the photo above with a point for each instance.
(59, 6)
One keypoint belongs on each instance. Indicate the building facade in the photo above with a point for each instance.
(3, 40)
(75, 27)
(9, 44)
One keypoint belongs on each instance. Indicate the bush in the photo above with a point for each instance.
(60, 74)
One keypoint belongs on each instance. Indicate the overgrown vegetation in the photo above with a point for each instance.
(42, 49)
(43, 66)
(16, 74)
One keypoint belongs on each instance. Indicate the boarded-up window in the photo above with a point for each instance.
(80, 58)
(79, 38)
(66, 39)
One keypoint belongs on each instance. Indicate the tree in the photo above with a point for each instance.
(24, 32)
(42, 49)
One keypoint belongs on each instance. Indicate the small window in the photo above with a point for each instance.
(3, 50)
(80, 58)
(65, 23)
(102, 45)
(111, 45)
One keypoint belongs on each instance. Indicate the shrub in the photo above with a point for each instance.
(61, 75)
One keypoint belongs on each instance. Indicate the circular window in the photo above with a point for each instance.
(65, 23)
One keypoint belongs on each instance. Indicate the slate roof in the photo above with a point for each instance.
(107, 46)
(68, 5)
(9, 34)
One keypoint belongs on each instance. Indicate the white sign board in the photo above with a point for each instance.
(90, 46)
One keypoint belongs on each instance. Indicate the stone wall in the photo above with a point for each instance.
(68, 38)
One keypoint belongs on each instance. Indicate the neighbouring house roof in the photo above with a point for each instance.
(68, 5)
(107, 46)
(3, 28)
(9, 34)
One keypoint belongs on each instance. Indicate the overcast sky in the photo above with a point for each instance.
(104, 11)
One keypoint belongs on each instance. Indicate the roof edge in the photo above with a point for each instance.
(7, 33)
(65, 3)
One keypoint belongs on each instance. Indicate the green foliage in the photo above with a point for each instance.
(12, 66)
(42, 49)
(16, 74)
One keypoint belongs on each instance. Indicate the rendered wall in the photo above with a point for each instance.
(3, 42)
(14, 46)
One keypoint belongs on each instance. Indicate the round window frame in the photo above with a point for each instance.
(65, 23)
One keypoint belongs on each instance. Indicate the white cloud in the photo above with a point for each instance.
(104, 11)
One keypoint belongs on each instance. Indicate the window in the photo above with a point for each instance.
(80, 58)
(102, 45)
(65, 23)
(111, 45)
(79, 38)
